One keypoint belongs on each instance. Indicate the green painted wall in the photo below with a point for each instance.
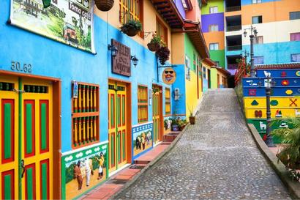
(212, 3)
(218, 55)
(213, 79)
(191, 52)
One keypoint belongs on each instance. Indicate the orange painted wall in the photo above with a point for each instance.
(195, 13)
(271, 11)
(215, 37)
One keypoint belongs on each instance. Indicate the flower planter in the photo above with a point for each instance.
(192, 120)
(131, 32)
(175, 127)
(104, 5)
(163, 54)
(153, 46)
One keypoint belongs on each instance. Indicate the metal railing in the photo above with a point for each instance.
(233, 28)
(234, 48)
(233, 8)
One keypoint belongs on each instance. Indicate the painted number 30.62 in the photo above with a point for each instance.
(27, 68)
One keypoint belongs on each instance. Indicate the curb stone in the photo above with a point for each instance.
(292, 186)
(169, 148)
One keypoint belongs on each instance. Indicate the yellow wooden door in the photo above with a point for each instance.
(9, 141)
(157, 112)
(117, 133)
(26, 113)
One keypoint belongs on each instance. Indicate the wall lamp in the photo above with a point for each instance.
(113, 49)
(134, 60)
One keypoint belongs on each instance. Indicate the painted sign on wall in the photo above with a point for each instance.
(121, 62)
(142, 138)
(84, 169)
(66, 21)
(169, 76)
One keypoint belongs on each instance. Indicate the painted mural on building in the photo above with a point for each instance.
(69, 22)
(142, 138)
(84, 169)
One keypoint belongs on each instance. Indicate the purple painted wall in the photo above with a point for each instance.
(207, 20)
(180, 8)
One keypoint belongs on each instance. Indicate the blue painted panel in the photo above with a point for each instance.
(279, 72)
(178, 106)
(205, 84)
(276, 91)
(275, 53)
(247, 2)
(259, 82)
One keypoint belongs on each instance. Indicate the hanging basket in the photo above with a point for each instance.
(153, 46)
(104, 5)
(131, 32)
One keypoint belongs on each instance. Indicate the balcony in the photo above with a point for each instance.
(234, 48)
(233, 8)
(233, 28)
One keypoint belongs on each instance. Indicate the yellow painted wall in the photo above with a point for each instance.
(283, 102)
(191, 93)
(149, 21)
(286, 112)
(177, 53)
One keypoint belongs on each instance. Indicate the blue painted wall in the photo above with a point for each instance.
(210, 19)
(54, 59)
(178, 106)
(248, 2)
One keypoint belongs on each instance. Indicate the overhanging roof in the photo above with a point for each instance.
(193, 30)
(279, 66)
(169, 12)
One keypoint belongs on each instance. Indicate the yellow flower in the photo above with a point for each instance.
(289, 92)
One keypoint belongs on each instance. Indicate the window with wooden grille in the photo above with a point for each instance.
(130, 9)
(85, 115)
(161, 31)
(168, 101)
(142, 104)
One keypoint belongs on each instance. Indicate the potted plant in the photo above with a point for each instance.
(131, 27)
(175, 126)
(154, 44)
(163, 54)
(104, 5)
(290, 137)
(192, 119)
(182, 124)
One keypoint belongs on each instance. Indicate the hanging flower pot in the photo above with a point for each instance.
(131, 28)
(163, 54)
(154, 44)
(104, 5)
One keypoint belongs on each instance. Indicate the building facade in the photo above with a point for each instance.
(80, 99)
(277, 23)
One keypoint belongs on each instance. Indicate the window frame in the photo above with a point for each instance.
(160, 23)
(94, 113)
(213, 28)
(142, 103)
(260, 19)
(256, 41)
(167, 101)
(297, 15)
(256, 1)
(214, 45)
(298, 57)
(291, 36)
(213, 9)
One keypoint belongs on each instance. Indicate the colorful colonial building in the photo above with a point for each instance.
(79, 99)
(277, 23)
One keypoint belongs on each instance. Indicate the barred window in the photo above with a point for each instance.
(130, 9)
(85, 115)
(142, 104)
(161, 31)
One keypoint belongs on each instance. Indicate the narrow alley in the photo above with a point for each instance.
(215, 159)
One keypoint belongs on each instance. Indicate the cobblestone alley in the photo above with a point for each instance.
(215, 159)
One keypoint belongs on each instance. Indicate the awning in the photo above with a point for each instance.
(279, 66)
(169, 12)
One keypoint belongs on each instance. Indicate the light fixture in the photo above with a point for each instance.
(245, 33)
(255, 32)
(113, 49)
(134, 60)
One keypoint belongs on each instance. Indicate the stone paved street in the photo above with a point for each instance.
(215, 159)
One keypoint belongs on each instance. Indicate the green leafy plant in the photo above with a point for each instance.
(131, 27)
(163, 54)
(290, 137)
(156, 39)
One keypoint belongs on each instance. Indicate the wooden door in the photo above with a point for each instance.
(157, 113)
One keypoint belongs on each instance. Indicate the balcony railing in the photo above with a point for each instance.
(234, 48)
(234, 28)
(233, 8)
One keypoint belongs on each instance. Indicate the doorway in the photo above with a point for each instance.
(157, 113)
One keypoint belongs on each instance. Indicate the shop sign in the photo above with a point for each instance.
(66, 21)
(169, 76)
(121, 62)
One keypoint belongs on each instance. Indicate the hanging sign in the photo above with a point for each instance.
(169, 76)
(66, 21)
(121, 62)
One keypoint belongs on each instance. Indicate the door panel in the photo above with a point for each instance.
(117, 125)
(9, 144)
(157, 113)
